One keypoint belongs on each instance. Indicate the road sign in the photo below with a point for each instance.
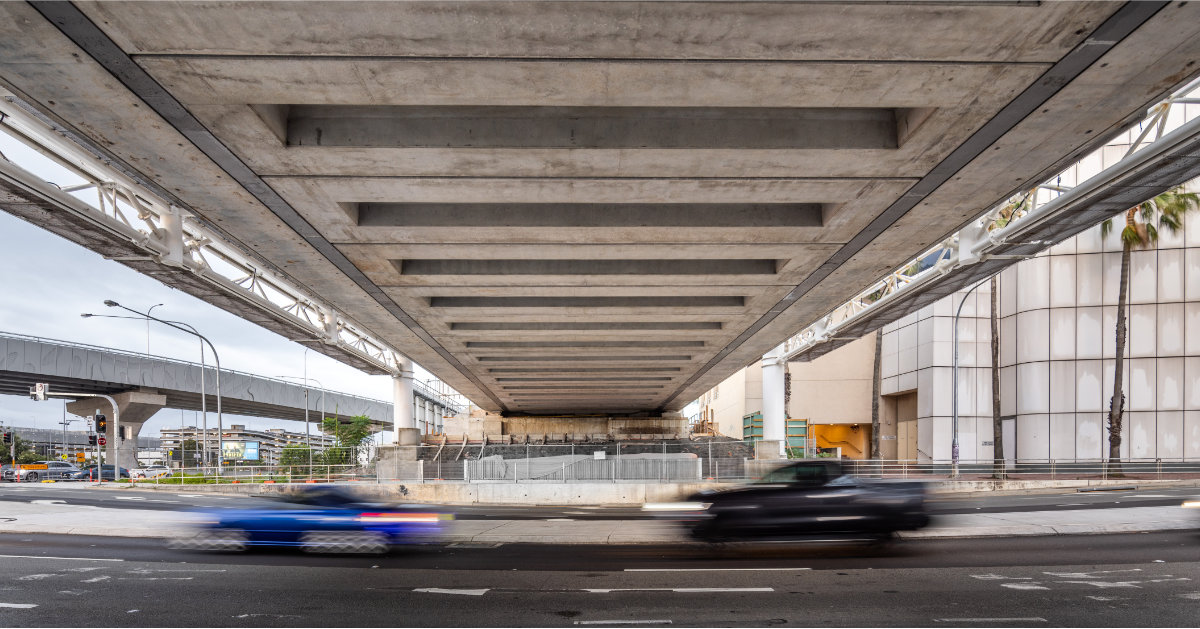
(79, 457)
(38, 391)
(102, 440)
(63, 457)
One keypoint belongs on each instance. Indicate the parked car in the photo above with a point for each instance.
(89, 473)
(320, 520)
(41, 470)
(153, 471)
(803, 499)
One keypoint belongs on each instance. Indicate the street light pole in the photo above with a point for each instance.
(954, 385)
(307, 434)
(148, 311)
(216, 357)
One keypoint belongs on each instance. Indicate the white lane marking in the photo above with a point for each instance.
(155, 578)
(96, 579)
(479, 592)
(1020, 620)
(997, 577)
(1097, 574)
(623, 622)
(70, 558)
(712, 569)
(18, 605)
(265, 616)
(189, 495)
(36, 577)
(1195, 596)
(1024, 586)
(47, 502)
(129, 498)
(559, 520)
(73, 592)
(1106, 599)
(153, 570)
(680, 590)
(1108, 584)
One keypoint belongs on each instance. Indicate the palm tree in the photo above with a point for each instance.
(1139, 232)
(875, 454)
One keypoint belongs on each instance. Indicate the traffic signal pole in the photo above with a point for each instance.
(42, 391)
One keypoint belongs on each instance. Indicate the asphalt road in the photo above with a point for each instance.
(1150, 579)
(181, 499)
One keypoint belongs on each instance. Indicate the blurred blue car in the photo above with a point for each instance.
(324, 519)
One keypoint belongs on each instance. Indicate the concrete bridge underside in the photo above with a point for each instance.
(590, 207)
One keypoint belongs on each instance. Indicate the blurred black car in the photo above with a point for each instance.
(89, 473)
(803, 499)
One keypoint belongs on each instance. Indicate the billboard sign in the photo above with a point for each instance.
(239, 450)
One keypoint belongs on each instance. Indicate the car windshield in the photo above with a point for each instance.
(799, 474)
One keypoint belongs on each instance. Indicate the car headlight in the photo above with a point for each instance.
(676, 506)
(1191, 504)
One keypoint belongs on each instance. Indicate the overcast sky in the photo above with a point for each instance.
(49, 281)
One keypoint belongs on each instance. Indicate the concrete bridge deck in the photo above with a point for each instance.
(587, 207)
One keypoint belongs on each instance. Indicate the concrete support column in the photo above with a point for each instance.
(774, 413)
(136, 407)
(405, 422)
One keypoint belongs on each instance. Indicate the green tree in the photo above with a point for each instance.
(294, 459)
(350, 435)
(1140, 231)
(23, 450)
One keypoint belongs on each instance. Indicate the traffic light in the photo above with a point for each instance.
(101, 424)
(91, 440)
(8, 437)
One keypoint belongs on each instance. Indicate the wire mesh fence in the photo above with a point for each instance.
(669, 462)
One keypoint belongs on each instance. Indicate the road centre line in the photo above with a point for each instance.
(70, 558)
(712, 569)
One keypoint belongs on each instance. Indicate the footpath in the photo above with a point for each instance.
(47, 516)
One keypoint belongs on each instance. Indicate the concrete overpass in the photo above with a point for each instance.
(143, 385)
(572, 207)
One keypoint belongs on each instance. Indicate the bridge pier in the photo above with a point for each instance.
(774, 411)
(135, 407)
(403, 416)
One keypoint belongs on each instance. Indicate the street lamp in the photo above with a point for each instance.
(148, 311)
(190, 330)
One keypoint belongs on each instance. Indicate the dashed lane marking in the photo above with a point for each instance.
(678, 590)
(479, 592)
(623, 622)
(1016, 620)
(18, 605)
(68, 558)
(712, 569)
